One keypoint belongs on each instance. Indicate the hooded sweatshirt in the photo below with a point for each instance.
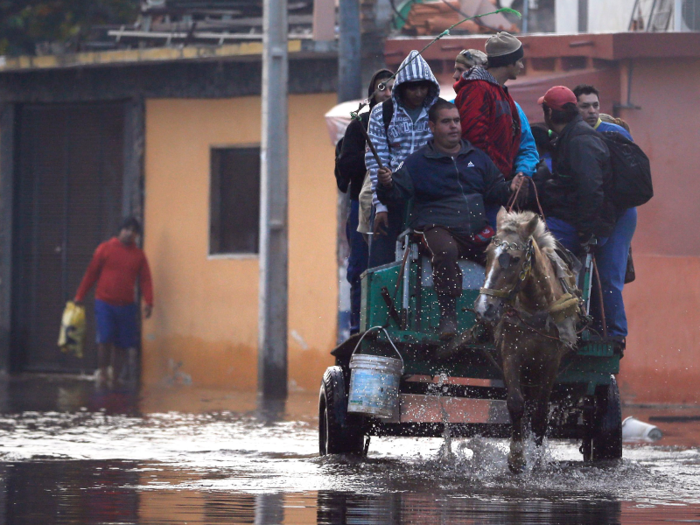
(404, 135)
(490, 119)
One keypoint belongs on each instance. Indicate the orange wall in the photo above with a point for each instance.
(663, 304)
(204, 325)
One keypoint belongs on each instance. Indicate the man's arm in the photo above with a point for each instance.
(587, 156)
(377, 135)
(527, 158)
(395, 187)
(475, 112)
(498, 189)
(91, 274)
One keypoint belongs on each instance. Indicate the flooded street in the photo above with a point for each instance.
(72, 454)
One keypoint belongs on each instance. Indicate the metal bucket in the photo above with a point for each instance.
(374, 385)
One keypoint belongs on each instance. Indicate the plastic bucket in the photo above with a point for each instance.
(635, 430)
(374, 385)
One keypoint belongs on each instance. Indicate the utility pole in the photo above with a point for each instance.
(272, 316)
(349, 45)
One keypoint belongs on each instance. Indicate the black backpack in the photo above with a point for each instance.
(340, 180)
(631, 181)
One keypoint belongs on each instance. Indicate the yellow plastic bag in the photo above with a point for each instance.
(72, 334)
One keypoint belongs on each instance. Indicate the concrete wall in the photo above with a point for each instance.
(204, 326)
(663, 305)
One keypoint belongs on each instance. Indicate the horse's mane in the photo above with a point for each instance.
(512, 222)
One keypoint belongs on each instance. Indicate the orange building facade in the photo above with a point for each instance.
(204, 328)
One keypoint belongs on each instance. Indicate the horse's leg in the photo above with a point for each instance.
(516, 407)
(540, 414)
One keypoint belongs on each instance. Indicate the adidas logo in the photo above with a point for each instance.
(470, 165)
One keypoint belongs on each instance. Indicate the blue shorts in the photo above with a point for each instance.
(117, 325)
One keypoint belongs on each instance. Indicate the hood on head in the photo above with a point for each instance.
(414, 68)
(370, 91)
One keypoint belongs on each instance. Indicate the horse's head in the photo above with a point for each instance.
(508, 263)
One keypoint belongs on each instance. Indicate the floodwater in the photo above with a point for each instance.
(72, 454)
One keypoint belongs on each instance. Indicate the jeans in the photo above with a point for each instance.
(382, 249)
(611, 259)
(357, 263)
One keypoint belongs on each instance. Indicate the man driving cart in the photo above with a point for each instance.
(449, 181)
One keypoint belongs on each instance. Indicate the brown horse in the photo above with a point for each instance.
(527, 297)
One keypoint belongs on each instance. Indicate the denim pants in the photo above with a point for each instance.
(357, 263)
(611, 259)
(383, 247)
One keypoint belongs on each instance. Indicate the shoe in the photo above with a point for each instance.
(447, 328)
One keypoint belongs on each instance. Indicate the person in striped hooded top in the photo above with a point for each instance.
(397, 128)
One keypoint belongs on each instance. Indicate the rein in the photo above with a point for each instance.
(560, 308)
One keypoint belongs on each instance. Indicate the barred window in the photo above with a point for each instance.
(234, 221)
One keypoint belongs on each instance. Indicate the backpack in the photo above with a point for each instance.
(341, 181)
(631, 181)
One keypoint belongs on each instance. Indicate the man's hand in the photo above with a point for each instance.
(517, 181)
(381, 222)
(588, 242)
(147, 310)
(384, 177)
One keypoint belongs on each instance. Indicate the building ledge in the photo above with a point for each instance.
(296, 48)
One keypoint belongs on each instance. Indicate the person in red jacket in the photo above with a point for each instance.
(489, 116)
(115, 267)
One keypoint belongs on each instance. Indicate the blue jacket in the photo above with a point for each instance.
(609, 126)
(527, 158)
(447, 191)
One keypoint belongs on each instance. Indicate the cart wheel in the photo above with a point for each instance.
(605, 442)
(338, 431)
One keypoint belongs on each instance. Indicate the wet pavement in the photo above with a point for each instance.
(72, 454)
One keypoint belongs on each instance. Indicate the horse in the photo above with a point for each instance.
(529, 298)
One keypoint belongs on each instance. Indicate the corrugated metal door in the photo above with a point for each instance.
(68, 200)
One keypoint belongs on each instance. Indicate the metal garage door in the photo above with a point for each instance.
(68, 199)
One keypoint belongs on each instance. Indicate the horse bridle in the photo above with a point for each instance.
(528, 249)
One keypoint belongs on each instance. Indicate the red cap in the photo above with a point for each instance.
(557, 96)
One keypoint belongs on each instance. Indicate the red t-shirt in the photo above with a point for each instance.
(115, 267)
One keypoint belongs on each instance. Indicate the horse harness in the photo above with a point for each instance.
(528, 249)
(566, 306)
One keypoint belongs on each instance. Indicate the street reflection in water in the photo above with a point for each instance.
(70, 453)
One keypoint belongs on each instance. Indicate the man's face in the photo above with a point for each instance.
(589, 108)
(381, 96)
(446, 130)
(128, 236)
(547, 118)
(515, 69)
(459, 70)
(414, 93)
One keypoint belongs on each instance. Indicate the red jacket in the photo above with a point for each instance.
(490, 119)
(115, 267)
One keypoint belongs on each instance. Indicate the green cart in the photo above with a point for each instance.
(451, 388)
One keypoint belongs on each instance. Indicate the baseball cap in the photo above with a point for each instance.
(557, 96)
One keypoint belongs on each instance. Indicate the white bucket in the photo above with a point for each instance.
(635, 430)
(374, 386)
